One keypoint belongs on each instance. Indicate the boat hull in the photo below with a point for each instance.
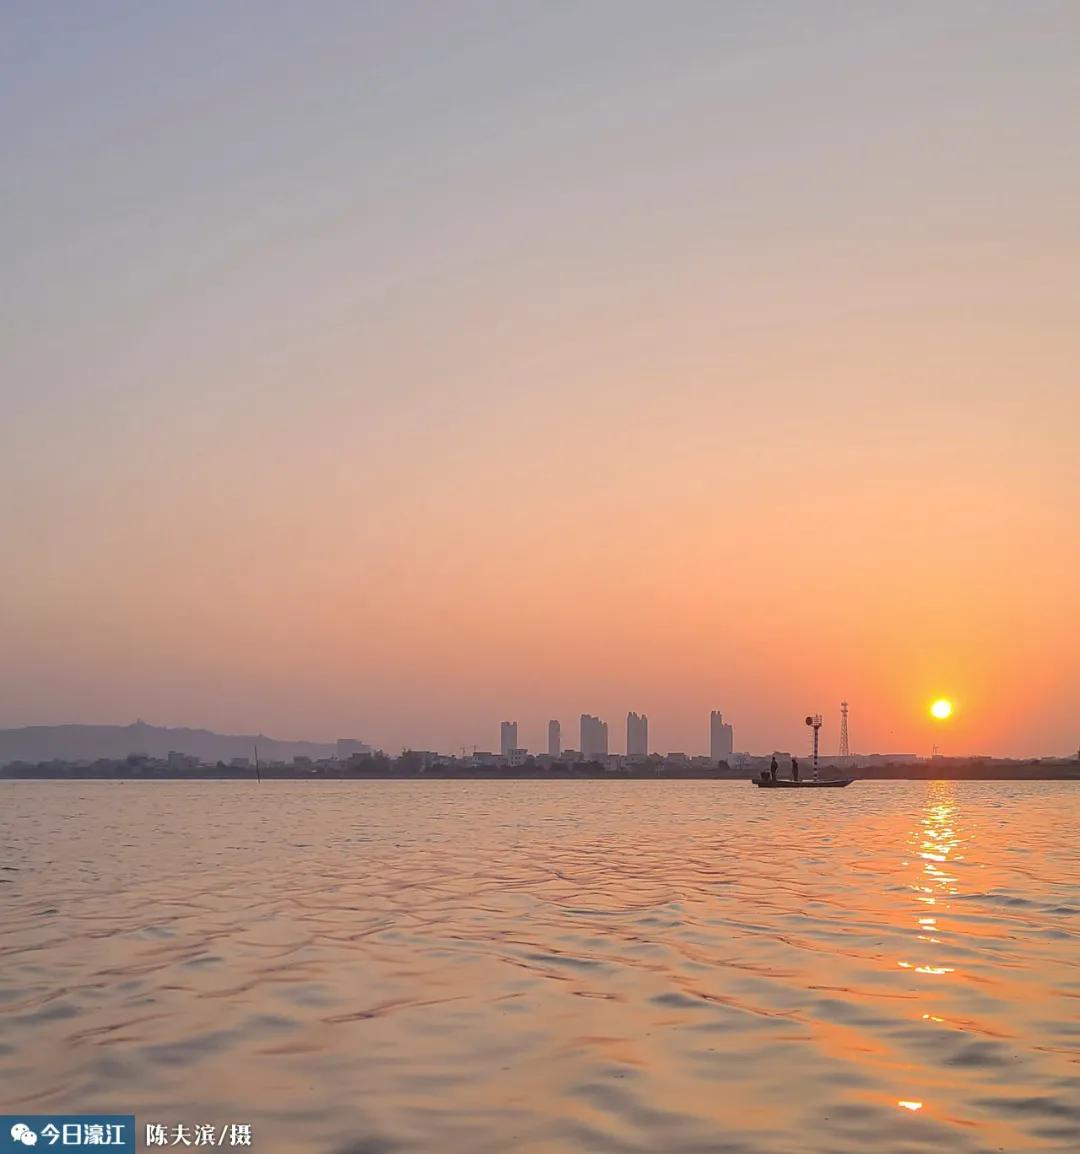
(784, 783)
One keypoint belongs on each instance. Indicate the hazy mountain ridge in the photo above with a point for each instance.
(36, 743)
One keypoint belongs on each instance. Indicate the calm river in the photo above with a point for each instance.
(479, 968)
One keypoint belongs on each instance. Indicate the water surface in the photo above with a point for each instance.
(474, 967)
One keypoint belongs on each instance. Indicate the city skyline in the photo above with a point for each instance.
(719, 742)
(716, 741)
(84, 744)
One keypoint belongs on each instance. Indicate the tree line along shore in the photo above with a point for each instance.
(414, 765)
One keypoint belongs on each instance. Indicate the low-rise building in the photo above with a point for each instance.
(350, 747)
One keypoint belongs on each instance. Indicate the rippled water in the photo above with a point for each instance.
(567, 966)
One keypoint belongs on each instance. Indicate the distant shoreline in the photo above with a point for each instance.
(1063, 771)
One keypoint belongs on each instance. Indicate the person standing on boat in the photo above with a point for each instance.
(794, 769)
(773, 768)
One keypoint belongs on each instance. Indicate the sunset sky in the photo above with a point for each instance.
(387, 370)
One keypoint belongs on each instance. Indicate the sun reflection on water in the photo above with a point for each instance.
(933, 850)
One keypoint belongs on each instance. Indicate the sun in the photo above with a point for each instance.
(941, 708)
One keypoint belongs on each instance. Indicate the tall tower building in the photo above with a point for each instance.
(594, 736)
(509, 738)
(554, 739)
(721, 737)
(637, 735)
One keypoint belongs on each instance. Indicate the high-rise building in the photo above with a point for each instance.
(594, 736)
(509, 737)
(554, 739)
(721, 737)
(637, 735)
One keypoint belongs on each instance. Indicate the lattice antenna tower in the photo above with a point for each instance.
(844, 750)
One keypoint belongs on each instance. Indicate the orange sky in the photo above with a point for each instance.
(520, 371)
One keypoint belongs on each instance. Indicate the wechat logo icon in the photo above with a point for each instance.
(20, 1132)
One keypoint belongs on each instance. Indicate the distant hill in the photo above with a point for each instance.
(36, 743)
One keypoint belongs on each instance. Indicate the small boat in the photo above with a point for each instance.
(786, 783)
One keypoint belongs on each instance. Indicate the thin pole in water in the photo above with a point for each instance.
(815, 721)
(258, 775)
